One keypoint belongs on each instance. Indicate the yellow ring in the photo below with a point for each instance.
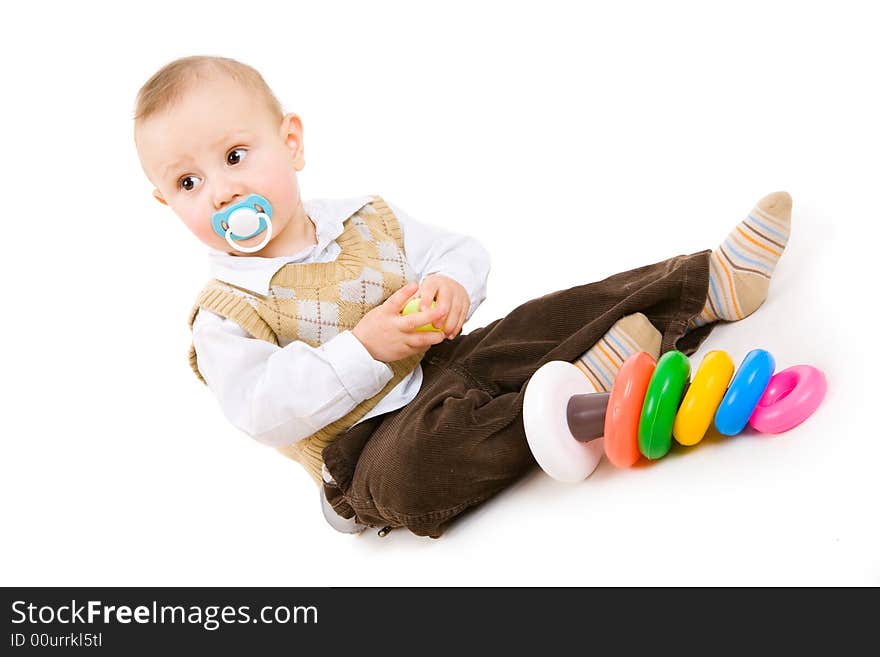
(703, 397)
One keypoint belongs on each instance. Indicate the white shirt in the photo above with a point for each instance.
(279, 394)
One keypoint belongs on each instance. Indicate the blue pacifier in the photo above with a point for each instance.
(244, 220)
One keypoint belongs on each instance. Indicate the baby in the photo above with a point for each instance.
(301, 336)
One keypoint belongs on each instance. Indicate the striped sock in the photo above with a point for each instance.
(740, 269)
(628, 335)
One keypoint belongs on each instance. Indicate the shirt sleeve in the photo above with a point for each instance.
(432, 250)
(279, 395)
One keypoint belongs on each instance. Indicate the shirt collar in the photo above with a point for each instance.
(254, 273)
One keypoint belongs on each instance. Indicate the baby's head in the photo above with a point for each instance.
(209, 132)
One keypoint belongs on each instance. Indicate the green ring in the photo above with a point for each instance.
(661, 404)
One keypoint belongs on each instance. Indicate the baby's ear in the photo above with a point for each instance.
(158, 196)
(292, 134)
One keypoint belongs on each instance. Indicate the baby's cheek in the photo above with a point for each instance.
(280, 189)
(203, 230)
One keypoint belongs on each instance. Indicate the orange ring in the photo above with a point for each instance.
(625, 409)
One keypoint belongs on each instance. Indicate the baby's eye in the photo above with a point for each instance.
(236, 155)
(189, 183)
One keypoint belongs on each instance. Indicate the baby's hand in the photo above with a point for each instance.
(390, 336)
(452, 299)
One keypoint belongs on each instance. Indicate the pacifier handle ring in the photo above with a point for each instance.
(252, 249)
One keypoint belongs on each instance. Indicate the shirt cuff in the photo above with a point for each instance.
(360, 374)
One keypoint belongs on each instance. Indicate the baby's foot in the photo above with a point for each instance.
(740, 269)
(628, 335)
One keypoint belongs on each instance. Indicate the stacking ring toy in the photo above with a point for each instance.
(554, 443)
(564, 414)
(790, 398)
(702, 398)
(745, 390)
(661, 403)
(625, 409)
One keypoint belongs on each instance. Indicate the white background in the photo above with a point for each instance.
(575, 140)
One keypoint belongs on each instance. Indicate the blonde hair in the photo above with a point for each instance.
(170, 82)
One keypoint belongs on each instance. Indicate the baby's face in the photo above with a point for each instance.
(215, 146)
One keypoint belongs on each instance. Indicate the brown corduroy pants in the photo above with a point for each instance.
(461, 439)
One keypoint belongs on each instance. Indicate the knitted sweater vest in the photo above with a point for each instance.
(313, 302)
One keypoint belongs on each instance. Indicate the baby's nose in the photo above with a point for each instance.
(224, 198)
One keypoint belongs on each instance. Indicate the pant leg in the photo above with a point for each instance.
(564, 324)
(461, 440)
(424, 464)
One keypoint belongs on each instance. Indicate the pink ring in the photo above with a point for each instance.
(790, 398)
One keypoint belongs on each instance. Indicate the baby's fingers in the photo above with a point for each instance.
(427, 292)
(398, 300)
(421, 341)
(414, 320)
(456, 319)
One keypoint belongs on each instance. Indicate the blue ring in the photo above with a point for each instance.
(744, 392)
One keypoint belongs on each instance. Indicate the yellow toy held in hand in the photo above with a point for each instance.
(412, 307)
